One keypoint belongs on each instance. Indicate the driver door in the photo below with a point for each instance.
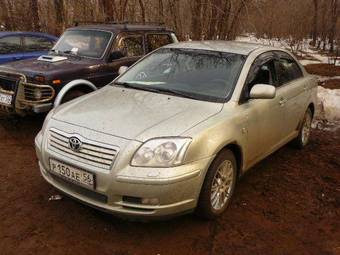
(264, 118)
(132, 47)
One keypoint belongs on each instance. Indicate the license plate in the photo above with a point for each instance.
(5, 99)
(72, 174)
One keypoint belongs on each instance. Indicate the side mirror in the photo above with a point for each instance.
(116, 55)
(262, 91)
(122, 69)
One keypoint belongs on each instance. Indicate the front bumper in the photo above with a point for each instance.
(27, 97)
(120, 193)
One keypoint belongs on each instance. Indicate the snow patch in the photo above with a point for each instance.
(329, 104)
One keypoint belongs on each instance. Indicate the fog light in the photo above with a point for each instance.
(150, 201)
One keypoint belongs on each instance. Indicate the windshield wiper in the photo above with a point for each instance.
(174, 92)
(156, 89)
(130, 85)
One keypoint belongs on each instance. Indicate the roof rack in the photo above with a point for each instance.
(85, 22)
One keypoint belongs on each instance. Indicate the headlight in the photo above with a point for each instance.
(161, 152)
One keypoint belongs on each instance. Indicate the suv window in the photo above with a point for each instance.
(131, 46)
(287, 69)
(156, 41)
(10, 44)
(37, 43)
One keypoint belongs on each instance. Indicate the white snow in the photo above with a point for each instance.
(329, 104)
(326, 78)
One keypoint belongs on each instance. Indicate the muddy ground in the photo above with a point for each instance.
(287, 204)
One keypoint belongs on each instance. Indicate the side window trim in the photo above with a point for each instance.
(259, 61)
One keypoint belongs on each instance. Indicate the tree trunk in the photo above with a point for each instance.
(123, 7)
(315, 22)
(334, 20)
(160, 11)
(224, 20)
(142, 8)
(108, 10)
(196, 21)
(60, 16)
(232, 29)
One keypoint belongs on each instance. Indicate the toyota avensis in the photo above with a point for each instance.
(173, 133)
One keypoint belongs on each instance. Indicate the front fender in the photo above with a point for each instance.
(71, 85)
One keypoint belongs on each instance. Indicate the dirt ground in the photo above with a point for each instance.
(287, 204)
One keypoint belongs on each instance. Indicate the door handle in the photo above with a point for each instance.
(282, 101)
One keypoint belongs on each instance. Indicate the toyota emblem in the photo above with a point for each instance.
(75, 144)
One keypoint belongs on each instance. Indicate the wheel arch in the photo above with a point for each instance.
(237, 150)
(311, 106)
(81, 84)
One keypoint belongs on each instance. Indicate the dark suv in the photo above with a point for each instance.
(84, 59)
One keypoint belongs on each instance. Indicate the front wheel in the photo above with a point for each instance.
(218, 186)
(304, 133)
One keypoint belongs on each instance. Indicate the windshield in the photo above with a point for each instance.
(198, 74)
(86, 43)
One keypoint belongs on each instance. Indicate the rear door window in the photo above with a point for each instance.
(37, 43)
(287, 69)
(10, 44)
(155, 41)
(131, 45)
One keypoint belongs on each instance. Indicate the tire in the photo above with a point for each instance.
(210, 204)
(72, 95)
(304, 133)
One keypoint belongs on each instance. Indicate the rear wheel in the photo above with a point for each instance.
(218, 186)
(72, 95)
(305, 130)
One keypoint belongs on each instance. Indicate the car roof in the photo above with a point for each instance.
(243, 48)
(115, 28)
(7, 33)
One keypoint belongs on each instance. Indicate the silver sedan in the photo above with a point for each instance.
(173, 133)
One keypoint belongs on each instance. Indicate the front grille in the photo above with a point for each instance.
(91, 153)
(34, 93)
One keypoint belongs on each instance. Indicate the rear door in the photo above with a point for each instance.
(292, 90)
(36, 46)
(10, 49)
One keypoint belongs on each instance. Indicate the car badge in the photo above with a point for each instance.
(75, 144)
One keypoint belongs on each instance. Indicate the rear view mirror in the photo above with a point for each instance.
(116, 55)
(262, 91)
(122, 69)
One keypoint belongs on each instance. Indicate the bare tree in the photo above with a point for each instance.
(334, 20)
(60, 16)
(315, 21)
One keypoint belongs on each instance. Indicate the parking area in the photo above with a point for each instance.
(287, 204)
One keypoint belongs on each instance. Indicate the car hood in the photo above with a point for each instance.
(135, 114)
(32, 67)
